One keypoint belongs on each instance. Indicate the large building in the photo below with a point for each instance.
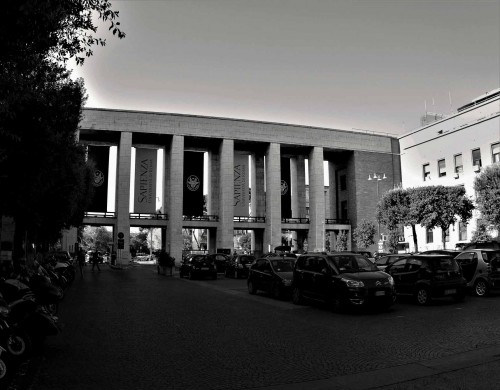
(266, 160)
(452, 151)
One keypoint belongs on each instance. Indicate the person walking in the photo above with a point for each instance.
(81, 260)
(95, 260)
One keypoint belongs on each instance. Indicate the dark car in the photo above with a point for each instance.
(221, 261)
(198, 266)
(383, 261)
(428, 276)
(482, 245)
(449, 252)
(239, 265)
(271, 274)
(341, 279)
(481, 269)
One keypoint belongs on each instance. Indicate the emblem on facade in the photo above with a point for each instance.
(98, 178)
(193, 183)
(284, 187)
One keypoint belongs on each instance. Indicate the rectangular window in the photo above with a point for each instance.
(343, 209)
(442, 168)
(459, 168)
(476, 157)
(429, 236)
(427, 172)
(447, 235)
(495, 153)
(462, 231)
(343, 182)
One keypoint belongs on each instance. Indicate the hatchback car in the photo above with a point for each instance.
(221, 261)
(341, 279)
(198, 266)
(428, 276)
(239, 265)
(481, 269)
(271, 274)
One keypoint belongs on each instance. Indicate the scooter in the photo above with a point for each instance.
(16, 342)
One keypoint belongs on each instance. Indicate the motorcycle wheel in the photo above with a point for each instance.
(52, 308)
(4, 372)
(18, 345)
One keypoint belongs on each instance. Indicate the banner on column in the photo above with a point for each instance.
(99, 155)
(286, 193)
(145, 181)
(193, 183)
(241, 185)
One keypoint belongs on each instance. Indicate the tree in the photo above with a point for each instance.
(364, 234)
(440, 206)
(392, 242)
(394, 210)
(96, 238)
(481, 233)
(487, 187)
(341, 244)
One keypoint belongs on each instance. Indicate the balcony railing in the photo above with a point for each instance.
(294, 220)
(337, 221)
(107, 214)
(250, 219)
(206, 218)
(148, 216)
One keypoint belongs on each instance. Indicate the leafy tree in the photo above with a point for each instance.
(394, 210)
(487, 187)
(364, 234)
(481, 233)
(440, 206)
(96, 238)
(392, 242)
(245, 241)
(341, 244)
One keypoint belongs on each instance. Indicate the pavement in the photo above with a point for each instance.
(131, 328)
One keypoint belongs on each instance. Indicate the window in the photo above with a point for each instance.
(495, 153)
(462, 231)
(442, 168)
(427, 172)
(343, 182)
(343, 209)
(447, 235)
(459, 168)
(476, 157)
(429, 236)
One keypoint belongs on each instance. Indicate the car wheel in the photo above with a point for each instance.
(276, 291)
(422, 296)
(251, 288)
(481, 288)
(297, 296)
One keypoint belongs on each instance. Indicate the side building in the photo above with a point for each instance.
(452, 151)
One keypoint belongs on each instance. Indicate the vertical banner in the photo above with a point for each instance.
(286, 193)
(145, 181)
(99, 155)
(241, 185)
(193, 183)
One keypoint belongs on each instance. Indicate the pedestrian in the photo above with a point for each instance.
(81, 260)
(95, 261)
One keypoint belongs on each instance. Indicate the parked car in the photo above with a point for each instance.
(428, 276)
(481, 270)
(239, 265)
(482, 245)
(273, 274)
(449, 252)
(198, 266)
(383, 261)
(221, 261)
(341, 279)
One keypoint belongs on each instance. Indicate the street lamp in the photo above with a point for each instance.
(377, 177)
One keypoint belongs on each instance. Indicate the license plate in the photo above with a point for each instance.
(204, 268)
(379, 293)
(450, 292)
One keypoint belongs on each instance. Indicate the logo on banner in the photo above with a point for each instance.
(98, 178)
(284, 187)
(193, 183)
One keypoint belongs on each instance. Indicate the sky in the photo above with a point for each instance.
(373, 65)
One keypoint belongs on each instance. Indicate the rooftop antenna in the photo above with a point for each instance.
(449, 95)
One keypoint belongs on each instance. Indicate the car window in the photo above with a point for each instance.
(282, 265)
(382, 260)
(399, 265)
(490, 256)
(466, 256)
(357, 263)
(444, 264)
(414, 265)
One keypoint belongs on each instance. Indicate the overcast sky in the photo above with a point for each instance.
(370, 64)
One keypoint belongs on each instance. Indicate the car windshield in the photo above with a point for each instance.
(282, 265)
(490, 256)
(246, 259)
(200, 259)
(382, 260)
(356, 263)
(444, 264)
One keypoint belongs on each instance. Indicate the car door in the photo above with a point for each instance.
(468, 263)
(266, 276)
(396, 270)
(257, 273)
(321, 279)
(410, 275)
(308, 274)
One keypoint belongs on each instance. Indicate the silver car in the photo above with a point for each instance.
(481, 269)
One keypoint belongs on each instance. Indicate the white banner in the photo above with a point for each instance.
(145, 181)
(241, 202)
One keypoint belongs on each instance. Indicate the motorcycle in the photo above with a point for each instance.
(4, 369)
(16, 342)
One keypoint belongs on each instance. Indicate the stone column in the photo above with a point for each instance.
(332, 193)
(301, 187)
(225, 231)
(272, 236)
(258, 197)
(316, 240)
(175, 189)
(122, 209)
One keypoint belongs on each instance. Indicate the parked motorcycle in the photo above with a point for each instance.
(16, 342)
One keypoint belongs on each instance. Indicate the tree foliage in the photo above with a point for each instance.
(481, 233)
(364, 234)
(487, 187)
(341, 243)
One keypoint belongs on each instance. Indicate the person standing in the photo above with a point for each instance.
(81, 260)
(95, 260)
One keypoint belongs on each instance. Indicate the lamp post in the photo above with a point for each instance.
(377, 177)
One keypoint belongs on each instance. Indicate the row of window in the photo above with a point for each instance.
(458, 165)
(462, 234)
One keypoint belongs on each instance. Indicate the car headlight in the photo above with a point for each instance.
(390, 279)
(286, 282)
(353, 283)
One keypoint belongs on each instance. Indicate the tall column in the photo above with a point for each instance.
(258, 197)
(301, 187)
(225, 232)
(332, 190)
(175, 188)
(316, 240)
(123, 167)
(272, 236)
